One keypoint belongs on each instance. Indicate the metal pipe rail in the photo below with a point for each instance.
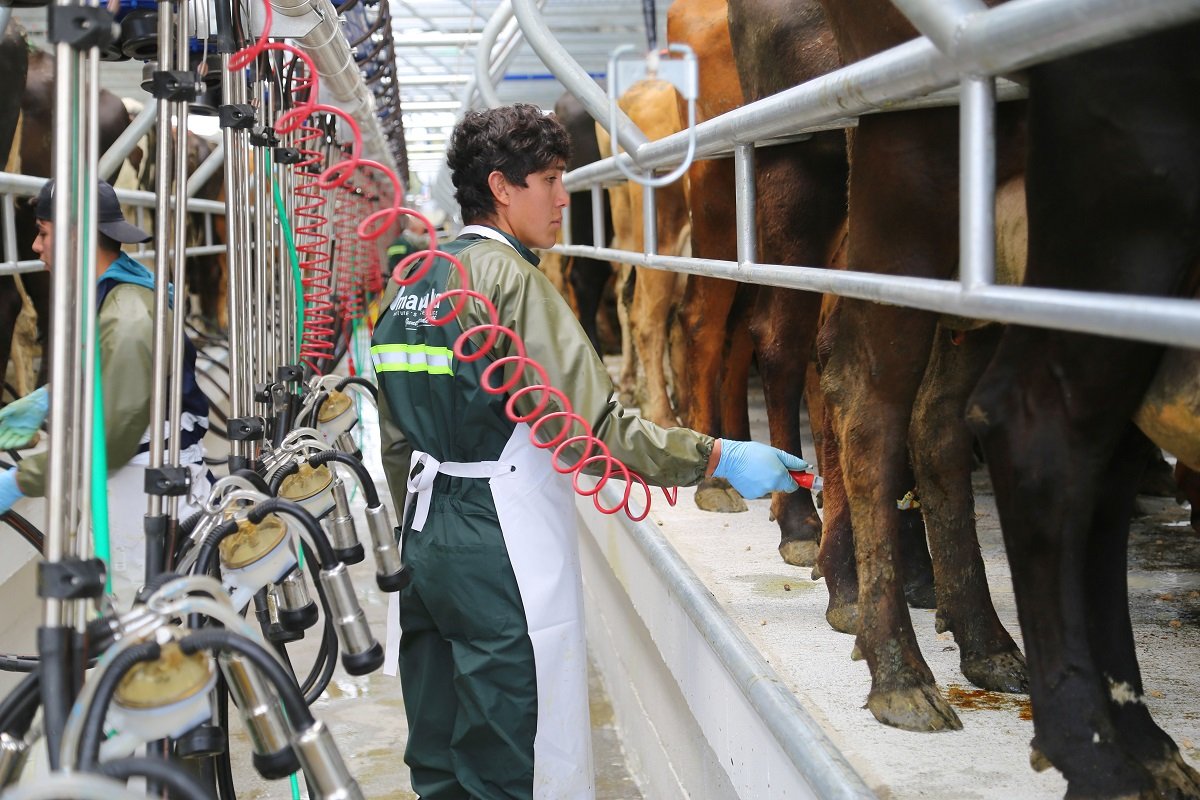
(1009, 37)
(14, 186)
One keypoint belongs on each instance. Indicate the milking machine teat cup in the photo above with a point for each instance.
(675, 64)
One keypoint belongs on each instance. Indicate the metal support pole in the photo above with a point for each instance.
(234, 221)
(977, 183)
(743, 188)
(175, 410)
(598, 232)
(163, 242)
(649, 221)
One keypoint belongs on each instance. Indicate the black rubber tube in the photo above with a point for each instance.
(227, 641)
(312, 688)
(167, 772)
(18, 707)
(93, 720)
(56, 686)
(364, 477)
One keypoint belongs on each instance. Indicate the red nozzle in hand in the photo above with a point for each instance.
(806, 479)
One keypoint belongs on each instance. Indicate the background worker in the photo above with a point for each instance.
(492, 654)
(125, 322)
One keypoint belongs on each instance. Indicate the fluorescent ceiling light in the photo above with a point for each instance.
(432, 80)
(433, 38)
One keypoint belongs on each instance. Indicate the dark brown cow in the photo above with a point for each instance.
(1114, 205)
(586, 277)
(801, 205)
(903, 177)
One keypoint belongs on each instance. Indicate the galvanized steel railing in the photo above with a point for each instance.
(15, 188)
(979, 43)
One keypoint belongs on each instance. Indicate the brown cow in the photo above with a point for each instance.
(801, 205)
(1118, 212)
(714, 359)
(653, 106)
(903, 176)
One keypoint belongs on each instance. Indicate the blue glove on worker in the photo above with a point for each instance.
(20, 419)
(10, 493)
(755, 469)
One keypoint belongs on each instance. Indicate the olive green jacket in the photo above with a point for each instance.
(529, 304)
(126, 324)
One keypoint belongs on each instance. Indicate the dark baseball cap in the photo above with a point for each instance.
(110, 219)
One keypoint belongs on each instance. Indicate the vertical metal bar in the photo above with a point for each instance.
(649, 221)
(598, 237)
(743, 190)
(10, 228)
(565, 228)
(175, 409)
(977, 179)
(89, 275)
(234, 258)
(63, 320)
(164, 165)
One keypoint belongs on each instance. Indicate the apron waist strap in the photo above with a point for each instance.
(420, 483)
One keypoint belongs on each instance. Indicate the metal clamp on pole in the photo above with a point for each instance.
(168, 481)
(71, 579)
(246, 429)
(683, 72)
(175, 85)
(82, 27)
(238, 116)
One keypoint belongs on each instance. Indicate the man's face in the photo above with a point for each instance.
(43, 243)
(535, 212)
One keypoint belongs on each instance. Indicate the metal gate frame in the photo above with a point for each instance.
(978, 43)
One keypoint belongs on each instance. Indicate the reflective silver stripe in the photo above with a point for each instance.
(412, 358)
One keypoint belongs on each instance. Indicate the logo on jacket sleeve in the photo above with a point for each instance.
(411, 306)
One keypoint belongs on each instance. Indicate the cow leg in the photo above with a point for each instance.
(1110, 630)
(783, 327)
(1188, 482)
(587, 278)
(835, 558)
(653, 298)
(703, 316)
(941, 447)
(1031, 414)
(870, 409)
(627, 382)
(10, 307)
(735, 380)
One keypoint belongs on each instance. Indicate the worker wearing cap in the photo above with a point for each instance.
(126, 324)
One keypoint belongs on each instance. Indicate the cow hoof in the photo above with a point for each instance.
(920, 594)
(1037, 759)
(913, 708)
(799, 552)
(1173, 778)
(1158, 480)
(715, 494)
(843, 618)
(998, 672)
(817, 574)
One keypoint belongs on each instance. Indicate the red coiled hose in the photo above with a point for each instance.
(595, 453)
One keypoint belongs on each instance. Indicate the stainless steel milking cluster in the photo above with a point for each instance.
(300, 134)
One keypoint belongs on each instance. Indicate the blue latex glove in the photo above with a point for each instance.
(20, 419)
(10, 493)
(755, 469)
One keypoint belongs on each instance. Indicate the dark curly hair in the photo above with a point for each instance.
(516, 140)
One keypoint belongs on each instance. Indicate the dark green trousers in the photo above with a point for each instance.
(466, 662)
